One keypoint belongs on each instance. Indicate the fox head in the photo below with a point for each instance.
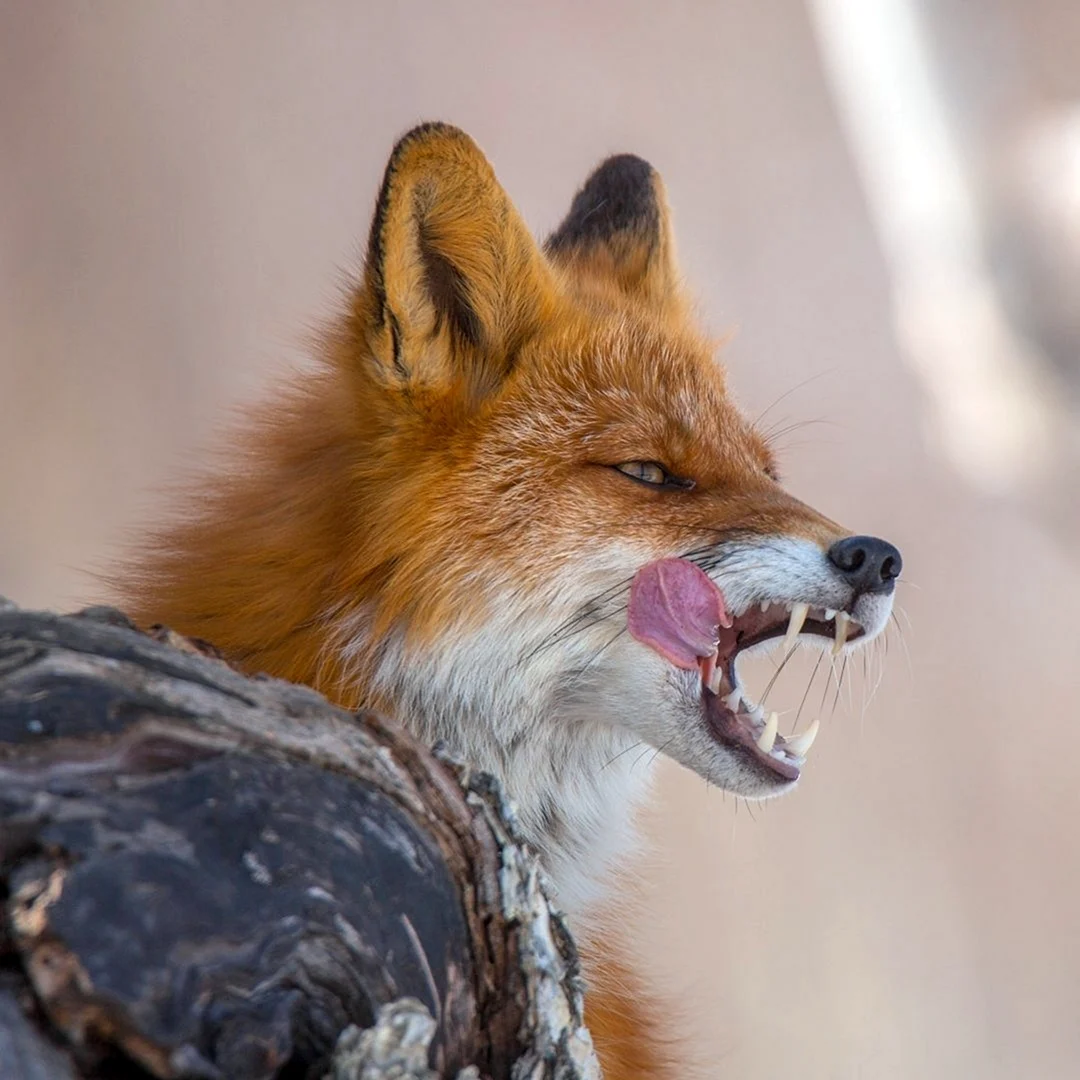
(549, 533)
(568, 532)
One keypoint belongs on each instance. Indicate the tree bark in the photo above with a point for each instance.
(214, 876)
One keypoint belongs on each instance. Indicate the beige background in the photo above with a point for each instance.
(182, 187)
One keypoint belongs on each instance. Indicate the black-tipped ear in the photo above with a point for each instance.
(619, 227)
(453, 280)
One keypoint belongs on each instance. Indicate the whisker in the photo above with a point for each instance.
(786, 394)
(580, 626)
(839, 684)
(881, 651)
(810, 682)
(656, 753)
(611, 761)
(776, 673)
(586, 610)
(825, 692)
(587, 613)
(903, 640)
(776, 433)
(587, 617)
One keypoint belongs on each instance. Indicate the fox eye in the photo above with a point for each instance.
(654, 474)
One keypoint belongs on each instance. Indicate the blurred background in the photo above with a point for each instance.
(881, 198)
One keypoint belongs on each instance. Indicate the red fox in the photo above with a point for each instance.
(517, 511)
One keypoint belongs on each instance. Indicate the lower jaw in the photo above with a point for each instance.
(734, 734)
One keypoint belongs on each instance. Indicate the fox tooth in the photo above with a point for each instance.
(842, 621)
(800, 744)
(795, 623)
(768, 737)
(765, 605)
(829, 614)
(715, 679)
(734, 700)
(708, 672)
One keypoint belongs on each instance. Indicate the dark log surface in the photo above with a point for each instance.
(207, 875)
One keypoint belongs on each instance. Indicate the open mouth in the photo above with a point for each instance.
(679, 612)
(731, 716)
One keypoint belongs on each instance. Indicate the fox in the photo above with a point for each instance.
(515, 509)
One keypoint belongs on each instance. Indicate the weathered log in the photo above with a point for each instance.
(208, 875)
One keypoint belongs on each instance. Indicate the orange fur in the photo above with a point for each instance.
(630, 1030)
(455, 444)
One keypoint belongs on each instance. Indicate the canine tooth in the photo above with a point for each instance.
(829, 614)
(734, 700)
(768, 736)
(715, 679)
(795, 623)
(708, 671)
(842, 621)
(800, 744)
(765, 605)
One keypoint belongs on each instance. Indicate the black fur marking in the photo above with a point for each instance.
(395, 338)
(375, 253)
(619, 197)
(449, 292)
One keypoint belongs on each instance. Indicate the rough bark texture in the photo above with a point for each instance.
(206, 875)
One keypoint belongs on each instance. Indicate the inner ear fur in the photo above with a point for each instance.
(453, 281)
(619, 230)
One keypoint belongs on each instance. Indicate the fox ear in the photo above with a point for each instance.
(619, 229)
(453, 281)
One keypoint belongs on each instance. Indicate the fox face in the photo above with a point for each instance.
(570, 535)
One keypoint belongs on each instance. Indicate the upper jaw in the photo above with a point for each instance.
(858, 618)
(798, 621)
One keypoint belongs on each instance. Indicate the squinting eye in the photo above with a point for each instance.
(648, 472)
(654, 474)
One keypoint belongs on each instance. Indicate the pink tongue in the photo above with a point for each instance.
(676, 610)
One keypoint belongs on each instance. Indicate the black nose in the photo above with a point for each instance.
(870, 565)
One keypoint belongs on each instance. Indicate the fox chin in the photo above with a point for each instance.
(517, 510)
